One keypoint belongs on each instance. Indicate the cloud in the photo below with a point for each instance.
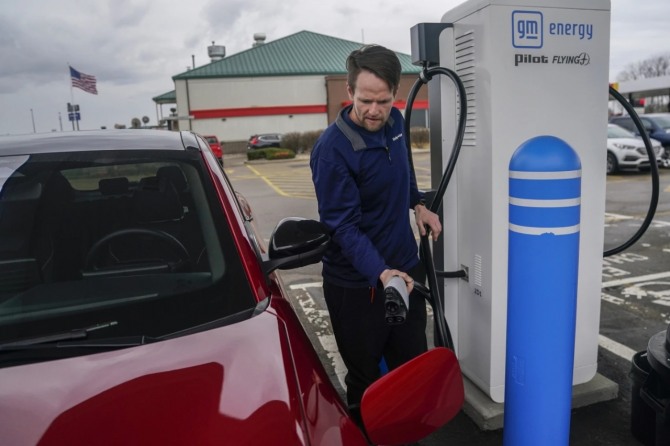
(134, 47)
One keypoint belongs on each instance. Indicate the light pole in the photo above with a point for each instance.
(32, 116)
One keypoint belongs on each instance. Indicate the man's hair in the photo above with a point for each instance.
(381, 61)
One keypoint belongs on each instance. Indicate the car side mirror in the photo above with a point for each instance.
(296, 242)
(414, 400)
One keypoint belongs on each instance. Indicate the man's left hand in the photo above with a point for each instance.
(426, 218)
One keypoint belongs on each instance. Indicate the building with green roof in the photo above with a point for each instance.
(293, 84)
(169, 98)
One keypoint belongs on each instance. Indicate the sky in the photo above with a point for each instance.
(134, 47)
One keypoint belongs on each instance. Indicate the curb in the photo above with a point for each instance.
(301, 157)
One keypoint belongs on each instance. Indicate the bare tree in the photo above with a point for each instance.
(652, 67)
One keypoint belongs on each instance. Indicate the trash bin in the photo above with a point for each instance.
(655, 391)
(642, 416)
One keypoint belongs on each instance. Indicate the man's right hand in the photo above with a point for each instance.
(387, 274)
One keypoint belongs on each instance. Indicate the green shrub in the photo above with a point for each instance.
(300, 142)
(291, 141)
(270, 153)
(279, 154)
(257, 154)
(308, 139)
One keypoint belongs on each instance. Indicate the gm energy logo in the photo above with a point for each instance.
(527, 29)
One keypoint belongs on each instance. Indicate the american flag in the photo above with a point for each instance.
(84, 81)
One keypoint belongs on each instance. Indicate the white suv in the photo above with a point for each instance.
(626, 151)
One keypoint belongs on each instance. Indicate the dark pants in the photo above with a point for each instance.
(363, 337)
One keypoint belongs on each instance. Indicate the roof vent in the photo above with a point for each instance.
(259, 39)
(216, 52)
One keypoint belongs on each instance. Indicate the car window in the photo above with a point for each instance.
(626, 123)
(134, 237)
(614, 131)
(647, 124)
(663, 121)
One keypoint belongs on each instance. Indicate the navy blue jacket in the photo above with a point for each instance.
(365, 189)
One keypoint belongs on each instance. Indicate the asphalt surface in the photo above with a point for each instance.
(635, 293)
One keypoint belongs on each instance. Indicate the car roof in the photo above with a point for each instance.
(117, 139)
(644, 115)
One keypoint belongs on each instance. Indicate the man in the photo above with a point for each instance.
(365, 189)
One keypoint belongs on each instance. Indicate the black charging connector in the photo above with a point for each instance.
(425, 47)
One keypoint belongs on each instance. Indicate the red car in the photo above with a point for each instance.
(216, 146)
(139, 306)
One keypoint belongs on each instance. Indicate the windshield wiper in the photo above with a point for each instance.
(79, 333)
(111, 343)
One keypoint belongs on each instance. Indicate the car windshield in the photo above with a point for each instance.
(614, 131)
(663, 121)
(137, 237)
(211, 139)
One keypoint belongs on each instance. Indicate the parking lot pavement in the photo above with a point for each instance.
(635, 301)
(604, 423)
(635, 306)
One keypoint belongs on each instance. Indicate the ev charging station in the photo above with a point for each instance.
(530, 68)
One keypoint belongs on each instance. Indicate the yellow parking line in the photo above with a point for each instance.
(269, 183)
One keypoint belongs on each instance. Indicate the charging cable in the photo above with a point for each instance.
(653, 202)
(442, 333)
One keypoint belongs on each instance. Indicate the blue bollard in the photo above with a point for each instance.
(543, 261)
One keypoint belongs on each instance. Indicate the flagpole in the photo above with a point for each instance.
(74, 107)
(71, 95)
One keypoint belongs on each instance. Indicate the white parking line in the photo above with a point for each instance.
(304, 286)
(616, 348)
(318, 319)
(327, 340)
(610, 216)
(629, 280)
